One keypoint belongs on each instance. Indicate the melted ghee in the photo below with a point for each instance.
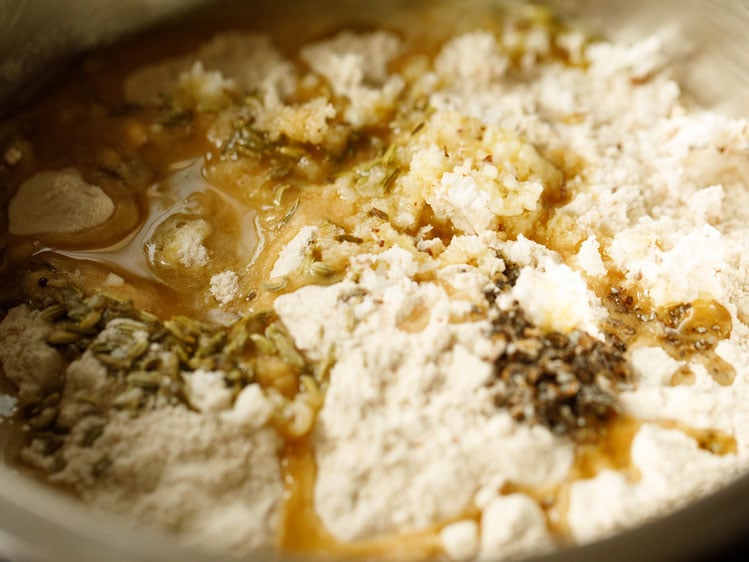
(611, 452)
(687, 331)
(302, 531)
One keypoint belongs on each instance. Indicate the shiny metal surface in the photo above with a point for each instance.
(711, 54)
(35, 34)
(37, 524)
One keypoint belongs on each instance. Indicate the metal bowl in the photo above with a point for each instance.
(39, 524)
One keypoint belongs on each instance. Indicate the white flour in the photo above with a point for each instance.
(159, 475)
(410, 435)
(405, 438)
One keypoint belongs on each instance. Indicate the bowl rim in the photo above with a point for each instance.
(47, 524)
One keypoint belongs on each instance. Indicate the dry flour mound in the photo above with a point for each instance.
(211, 479)
(212, 475)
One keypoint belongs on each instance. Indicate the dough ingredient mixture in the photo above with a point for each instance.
(378, 292)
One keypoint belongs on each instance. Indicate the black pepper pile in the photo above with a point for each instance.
(565, 382)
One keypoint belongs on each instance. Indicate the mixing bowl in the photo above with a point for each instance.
(38, 36)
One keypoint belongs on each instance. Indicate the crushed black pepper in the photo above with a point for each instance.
(502, 281)
(566, 382)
